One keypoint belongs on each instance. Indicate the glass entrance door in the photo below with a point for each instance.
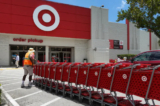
(21, 57)
(61, 56)
(67, 57)
(55, 54)
(13, 58)
(41, 56)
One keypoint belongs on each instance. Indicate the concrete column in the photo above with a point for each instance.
(5, 50)
(47, 53)
(98, 46)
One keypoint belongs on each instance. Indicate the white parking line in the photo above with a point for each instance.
(10, 98)
(54, 100)
(11, 83)
(13, 90)
(28, 95)
(9, 80)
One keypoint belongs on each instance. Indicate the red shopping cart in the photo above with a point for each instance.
(38, 72)
(81, 79)
(64, 78)
(91, 81)
(35, 72)
(42, 74)
(153, 91)
(52, 71)
(47, 73)
(57, 76)
(72, 76)
(105, 82)
(135, 85)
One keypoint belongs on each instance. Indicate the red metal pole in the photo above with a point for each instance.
(150, 41)
(128, 37)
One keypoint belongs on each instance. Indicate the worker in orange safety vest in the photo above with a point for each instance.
(28, 66)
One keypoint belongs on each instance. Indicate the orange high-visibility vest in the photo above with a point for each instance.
(27, 60)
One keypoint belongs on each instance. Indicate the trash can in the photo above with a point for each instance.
(85, 60)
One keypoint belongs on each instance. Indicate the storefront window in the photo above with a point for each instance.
(66, 49)
(56, 49)
(31, 47)
(69, 49)
(25, 48)
(16, 47)
(41, 48)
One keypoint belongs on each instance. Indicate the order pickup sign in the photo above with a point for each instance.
(28, 40)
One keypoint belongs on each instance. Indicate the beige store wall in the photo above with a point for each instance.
(118, 31)
(4, 50)
(144, 41)
(154, 41)
(80, 45)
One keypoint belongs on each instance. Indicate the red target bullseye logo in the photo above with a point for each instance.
(46, 18)
(124, 76)
(144, 78)
(109, 74)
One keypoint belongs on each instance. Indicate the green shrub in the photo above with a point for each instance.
(129, 56)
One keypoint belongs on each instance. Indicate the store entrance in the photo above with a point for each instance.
(61, 56)
(61, 53)
(41, 56)
(21, 56)
(22, 50)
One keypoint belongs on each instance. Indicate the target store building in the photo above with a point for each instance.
(71, 33)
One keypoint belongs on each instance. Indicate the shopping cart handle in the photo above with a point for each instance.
(113, 67)
(156, 67)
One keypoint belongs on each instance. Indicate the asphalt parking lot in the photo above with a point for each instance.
(11, 86)
(10, 78)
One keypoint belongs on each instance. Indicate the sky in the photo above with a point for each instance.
(113, 5)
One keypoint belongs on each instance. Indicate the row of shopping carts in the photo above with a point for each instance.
(91, 80)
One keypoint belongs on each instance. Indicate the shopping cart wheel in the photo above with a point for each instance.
(80, 99)
(56, 92)
(71, 96)
(90, 102)
(102, 104)
(50, 90)
(41, 86)
(64, 94)
(45, 88)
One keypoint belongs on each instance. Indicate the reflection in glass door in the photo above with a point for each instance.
(41, 56)
(55, 54)
(67, 57)
(13, 58)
